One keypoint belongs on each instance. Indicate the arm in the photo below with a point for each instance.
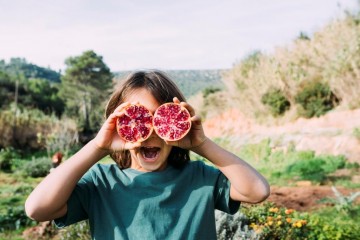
(247, 184)
(49, 199)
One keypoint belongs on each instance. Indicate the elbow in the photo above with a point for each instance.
(30, 210)
(33, 211)
(262, 193)
(256, 193)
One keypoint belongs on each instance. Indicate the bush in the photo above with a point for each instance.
(308, 170)
(38, 167)
(316, 168)
(7, 158)
(277, 102)
(271, 222)
(332, 228)
(316, 99)
(14, 218)
(210, 90)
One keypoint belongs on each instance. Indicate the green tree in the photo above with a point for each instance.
(44, 96)
(85, 86)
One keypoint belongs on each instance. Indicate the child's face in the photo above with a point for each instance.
(153, 153)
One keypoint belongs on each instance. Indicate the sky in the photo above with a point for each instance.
(163, 34)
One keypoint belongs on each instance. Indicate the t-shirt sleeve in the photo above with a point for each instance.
(78, 202)
(222, 198)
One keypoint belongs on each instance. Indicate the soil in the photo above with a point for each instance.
(306, 198)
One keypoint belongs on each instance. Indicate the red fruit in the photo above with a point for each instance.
(171, 121)
(135, 125)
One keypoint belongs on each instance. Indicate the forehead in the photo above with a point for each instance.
(144, 97)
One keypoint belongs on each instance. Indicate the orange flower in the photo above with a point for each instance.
(289, 211)
(269, 218)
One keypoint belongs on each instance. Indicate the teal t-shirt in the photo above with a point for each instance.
(170, 204)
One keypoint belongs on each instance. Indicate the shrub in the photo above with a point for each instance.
(14, 218)
(6, 157)
(277, 102)
(316, 99)
(38, 167)
(316, 168)
(210, 90)
(271, 222)
(331, 228)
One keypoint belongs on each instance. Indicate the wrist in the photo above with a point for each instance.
(99, 149)
(199, 147)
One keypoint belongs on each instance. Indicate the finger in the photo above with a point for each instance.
(176, 100)
(188, 107)
(121, 107)
(196, 119)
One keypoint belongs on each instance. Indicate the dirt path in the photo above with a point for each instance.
(305, 198)
(332, 133)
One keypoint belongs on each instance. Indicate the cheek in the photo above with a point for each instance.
(167, 150)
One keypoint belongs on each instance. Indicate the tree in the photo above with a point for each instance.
(85, 86)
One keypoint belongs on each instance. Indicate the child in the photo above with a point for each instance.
(161, 195)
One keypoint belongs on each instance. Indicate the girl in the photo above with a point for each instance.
(161, 195)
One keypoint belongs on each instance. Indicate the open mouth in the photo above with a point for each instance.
(150, 153)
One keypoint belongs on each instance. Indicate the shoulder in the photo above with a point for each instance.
(100, 172)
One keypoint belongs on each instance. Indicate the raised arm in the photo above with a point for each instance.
(247, 184)
(49, 199)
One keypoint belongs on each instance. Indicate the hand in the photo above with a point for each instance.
(196, 135)
(108, 139)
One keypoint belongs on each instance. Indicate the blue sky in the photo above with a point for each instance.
(132, 34)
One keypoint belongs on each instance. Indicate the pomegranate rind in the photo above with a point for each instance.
(171, 121)
(135, 125)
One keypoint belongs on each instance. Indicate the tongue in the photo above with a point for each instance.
(150, 152)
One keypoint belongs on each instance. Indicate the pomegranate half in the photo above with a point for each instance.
(135, 125)
(171, 121)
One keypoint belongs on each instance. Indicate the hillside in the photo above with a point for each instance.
(191, 82)
(307, 77)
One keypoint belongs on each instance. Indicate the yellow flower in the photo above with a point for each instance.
(279, 217)
(274, 210)
(270, 223)
(279, 223)
(269, 218)
(299, 224)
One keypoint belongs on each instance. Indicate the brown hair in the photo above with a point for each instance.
(164, 90)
